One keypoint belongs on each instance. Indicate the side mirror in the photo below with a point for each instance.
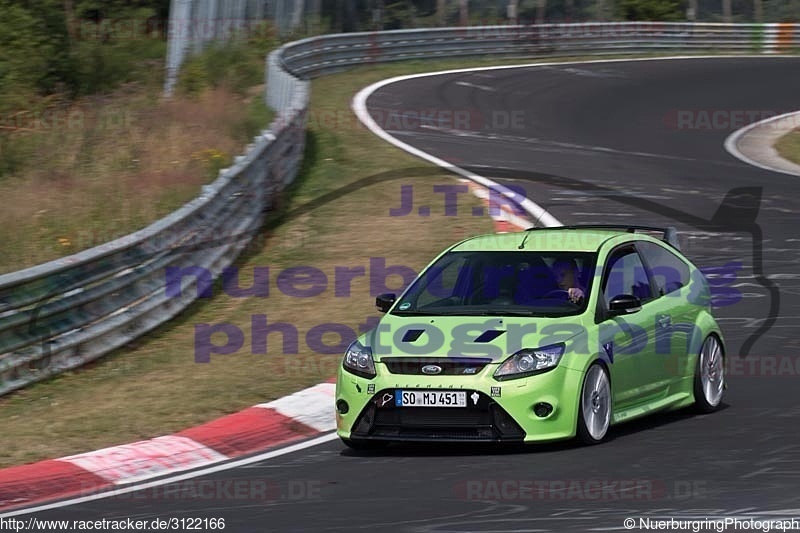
(384, 301)
(624, 304)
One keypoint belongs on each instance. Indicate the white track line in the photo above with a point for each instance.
(732, 140)
(359, 106)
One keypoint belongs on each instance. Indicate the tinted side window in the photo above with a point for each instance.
(626, 275)
(668, 270)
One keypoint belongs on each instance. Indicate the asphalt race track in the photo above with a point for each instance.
(609, 142)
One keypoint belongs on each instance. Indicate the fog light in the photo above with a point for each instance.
(342, 407)
(542, 409)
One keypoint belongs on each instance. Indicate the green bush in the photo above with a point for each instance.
(258, 117)
(111, 52)
(25, 49)
(52, 51)
(13, 153)
(237, 64)
(666, 10)
(95, 47)
(193, 78)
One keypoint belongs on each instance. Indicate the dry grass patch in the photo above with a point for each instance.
(788, 146)
(110, 165)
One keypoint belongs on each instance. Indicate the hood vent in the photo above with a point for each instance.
(489, 335)
(412, 335)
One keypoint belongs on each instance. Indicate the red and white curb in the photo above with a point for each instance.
(301, 415)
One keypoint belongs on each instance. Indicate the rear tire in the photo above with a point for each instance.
(709, 376)
(594, 406)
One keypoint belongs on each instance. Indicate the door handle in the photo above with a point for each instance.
(664, 321)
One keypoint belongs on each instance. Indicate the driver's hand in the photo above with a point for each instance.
(575, 295)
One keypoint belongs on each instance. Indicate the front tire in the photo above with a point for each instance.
(709, 376)
(594, 409)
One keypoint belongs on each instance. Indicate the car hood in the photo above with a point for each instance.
(467, 336)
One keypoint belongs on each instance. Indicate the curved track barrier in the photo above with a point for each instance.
(65, 313)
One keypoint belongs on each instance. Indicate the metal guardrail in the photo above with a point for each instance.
(62, 314)
(320, 55)
(65, 313)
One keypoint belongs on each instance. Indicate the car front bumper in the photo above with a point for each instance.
(499, 411)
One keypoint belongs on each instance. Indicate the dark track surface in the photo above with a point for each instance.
(608, 125)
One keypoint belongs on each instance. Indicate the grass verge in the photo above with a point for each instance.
(107, 166)
(78, 173)
(788, 146)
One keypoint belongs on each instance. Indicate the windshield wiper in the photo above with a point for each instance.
(415, 313)
(504, 312)
(478, 312)
(442, 313)
(483, 312)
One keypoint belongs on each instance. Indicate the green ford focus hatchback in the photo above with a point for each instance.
(534, 336)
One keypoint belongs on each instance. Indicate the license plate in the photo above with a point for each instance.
(419, 398)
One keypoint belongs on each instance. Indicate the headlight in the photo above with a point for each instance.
(358, 360)
(528, 362)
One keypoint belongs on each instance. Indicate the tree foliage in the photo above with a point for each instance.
(666, 10)
(75, 47)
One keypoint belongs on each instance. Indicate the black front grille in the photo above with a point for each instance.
(449, 366)
(482, 420)
(432, 417)
(416, 434)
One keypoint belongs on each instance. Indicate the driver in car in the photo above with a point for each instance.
(568, 278)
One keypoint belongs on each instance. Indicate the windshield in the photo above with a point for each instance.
(508, 283)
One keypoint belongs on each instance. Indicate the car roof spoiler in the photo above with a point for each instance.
(667, 234)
